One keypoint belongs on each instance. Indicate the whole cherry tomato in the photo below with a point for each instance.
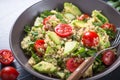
(108, 57)
(90, 39)
(39, 44)
(63, 30)
(73, 63)
(6, 57)
(9, 73)
(83, 17)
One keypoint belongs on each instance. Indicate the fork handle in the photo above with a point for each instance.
(81, 69)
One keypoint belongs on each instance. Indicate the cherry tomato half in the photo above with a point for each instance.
(9, 73)
(46, 20)
(90, 39)
(108, 57)
(63, 30)
(84, 17)
(39, 44)
(6, 57)
(73, 63)
(109, 26)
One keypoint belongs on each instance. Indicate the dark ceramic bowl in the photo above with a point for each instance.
(28, 17)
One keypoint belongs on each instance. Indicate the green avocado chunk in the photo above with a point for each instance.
(69, 16)
(70, 8)
(70, 47)
(38, 21)
(54, 37)
(99, 17)
(60, 74)
(45, 67)
(78, 23)
(104, 43)
(49, 50)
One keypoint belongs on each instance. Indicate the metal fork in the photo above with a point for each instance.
(88, 62)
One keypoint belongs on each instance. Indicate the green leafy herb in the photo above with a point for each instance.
(30, 48)
(45, 14)
(59, 16)
(81, 51)
(98, 66)
(60, 63)
(91, 52)
(36, 58)
(74, 37)
(27, 29)
(101, 18)
(110, 33)
(97, 23)
(31, 43)
(34, 33)
(67, 74)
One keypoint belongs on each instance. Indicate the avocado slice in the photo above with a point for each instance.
(78, 23)
(99, 17)
(54, 37)
(69, 16)
(49, 50)
(38, 21)
(70, 47)
(104, 43)
(61, 75)
(70, 8)
(45, 67)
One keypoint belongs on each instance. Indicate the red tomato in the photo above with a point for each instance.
(9, 73)
(63, 30)
(46, 20)
(108, 57)
(46, 27)
(90, 39)
(109, 26)
(6, 57)
(73, 63)
(83, 17)
(39, 44)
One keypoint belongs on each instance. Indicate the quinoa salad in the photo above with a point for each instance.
(59, 41)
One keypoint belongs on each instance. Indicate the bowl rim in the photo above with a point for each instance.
(42, 76)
